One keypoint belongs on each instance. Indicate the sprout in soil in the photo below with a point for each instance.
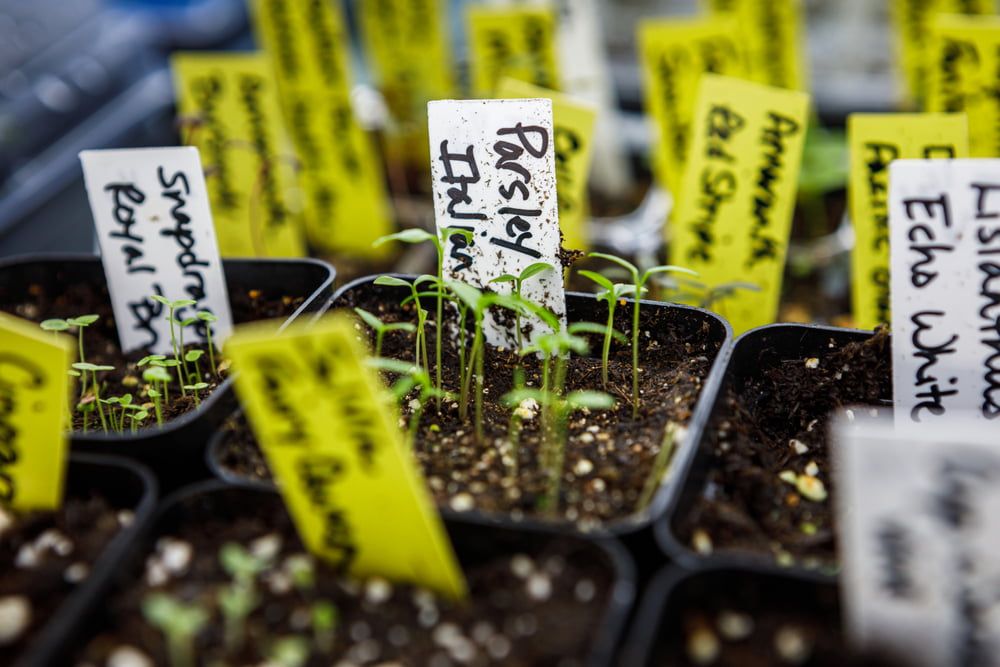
(81, 322)
(154, 375)
(530, 271)
(325, 619)
(420, 346)
(192, 357)
(639, 281)
(300, 569)
(289, 652)
(439, 240)
(195, 390)
(239, 598)
(611, 293)
(412, 376)
(180, 624)
(208, 318)
(94, 369)
(173, 307)
(127, 409)
(381, 328)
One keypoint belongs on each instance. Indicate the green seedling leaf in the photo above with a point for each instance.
(140, 415)
(198, 386)
(82, 320)
(189, 321)
(194, 355)
(371, 320)
(73, 373)
(289, 652)
(514, 398)
(182, 303)
(594, 400)
(597, 278)
(625, 264)
(150, 359)
(114, 400)
(391, 281)
(206, 316)
(534, 269)
(55, 325)
(157, 374)
(152, 393)
(240, 563)
(405, 236)
(86, 366)
(160, 299)
(599, 329)
(300, 569)
(471, 296)
(505, 278)
(393, 366)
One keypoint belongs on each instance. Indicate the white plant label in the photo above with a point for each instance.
(944, 222)
(155, 231)
(493, 166)
(919, 533)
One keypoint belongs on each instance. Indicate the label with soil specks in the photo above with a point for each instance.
(944, 226)
(493, 167)
(34, 401)
(154, 227)
(919, 520)
(330, 435)
(734, 211)
(875, 140)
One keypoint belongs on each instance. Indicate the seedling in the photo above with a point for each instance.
(420, 345)
(154, 375)
(381, 328)
(192, 357)
(195, 390)
(639, 281)
(180, 624)
(208, 318)
(439, 240)
(325, 619)
(300, 569)
(289, 652)
(240, 564)
(412, 376)
(529, 272)
(611, 294)
(172, 307)
(237, 601)
(94, 369)
(81, 322)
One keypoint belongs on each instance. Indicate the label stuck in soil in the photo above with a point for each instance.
(155, 230)
(330, 435)
(516, 42)
(34, 408)
(573, 135)
(734, 213)
(675, 54)
(228, 109)
(773, 36)
(875, 140)
(494, 173)
(408, 48)
(912, 25)
(919, 519)
(346, 206)
(964, 53)
(944, 225)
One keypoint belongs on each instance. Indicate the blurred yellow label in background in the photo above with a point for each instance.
(874, 141)
(516, 42)
(228, 105)
(734, 212)
(330, 434)
(346, 203)
(964, 76)
(34, 399)
(406, 42)
(573, 137)
(674, 53)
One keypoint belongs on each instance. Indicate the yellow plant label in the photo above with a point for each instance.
(330, 435)
(407, 45)
(965, 57)
(911, 20)
(875, 140)
(228, 105)
(516, 42)
(734, 212)
(34, 399)
(573, 137)
(346, 204)
(674, 55)
(773, 36)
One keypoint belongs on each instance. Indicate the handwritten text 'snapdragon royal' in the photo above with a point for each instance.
(155, 230)
(493, 165)
(944, 222)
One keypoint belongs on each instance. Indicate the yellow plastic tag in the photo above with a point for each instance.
(34, 398)
(572, 136)
(963, 76)
(773, 36)
(734, 212)
(326, 426)
(911, 20)
(346, 204)
(228, 104)
(407, 45)
(674, 54)
(875, 140)
(516, 42)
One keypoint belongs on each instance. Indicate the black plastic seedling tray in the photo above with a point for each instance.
(127, 485)
(752, 351)
(176, 451)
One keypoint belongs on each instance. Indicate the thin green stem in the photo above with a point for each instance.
(438, 323)
(97, 400)
(379, 335)
(211, 348)
(606, 350)
(480, 373)
(635, 352)
(159, 411)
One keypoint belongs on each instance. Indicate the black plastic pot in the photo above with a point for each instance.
(175, 452)
(125, 484)
(658, 624)
(756, 349)
(693, 323)
(473, 543)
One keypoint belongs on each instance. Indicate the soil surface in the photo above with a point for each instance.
(608, 455)
(100, 341)
(540, 606)
(768, 489)
(44, 556)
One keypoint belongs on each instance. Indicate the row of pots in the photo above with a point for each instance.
(177, 453)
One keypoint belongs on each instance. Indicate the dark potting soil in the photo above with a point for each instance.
(609, 455)
(539, 607)
(101, 341)
(769, 488)
(44, 556)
